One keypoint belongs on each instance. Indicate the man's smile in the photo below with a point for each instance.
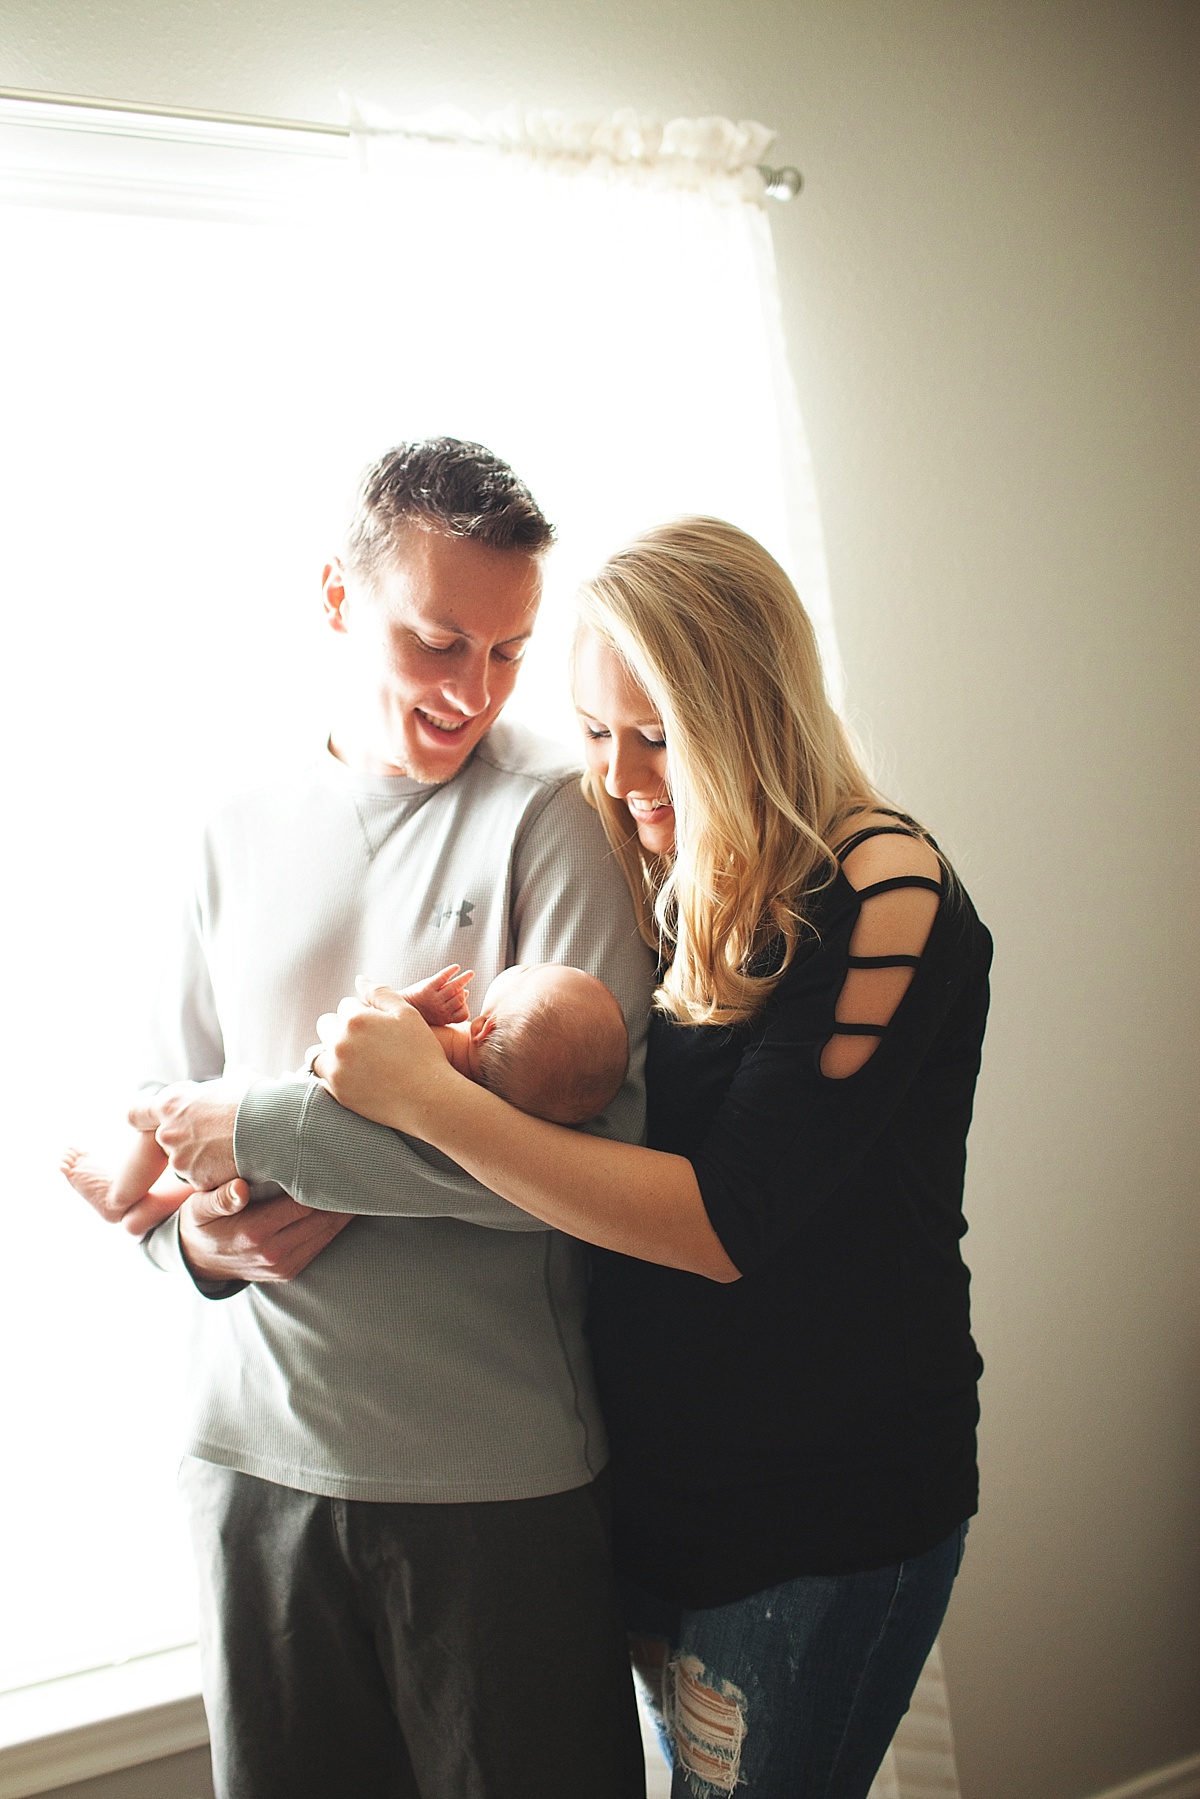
(446, 726)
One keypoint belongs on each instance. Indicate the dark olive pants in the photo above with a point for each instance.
(410, 1651)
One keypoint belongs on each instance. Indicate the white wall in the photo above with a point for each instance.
(990, 296)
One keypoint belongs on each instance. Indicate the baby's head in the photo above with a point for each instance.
(556, 1044)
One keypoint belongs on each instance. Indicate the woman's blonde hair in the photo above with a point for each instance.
(761, 770)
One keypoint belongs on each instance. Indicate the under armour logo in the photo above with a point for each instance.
(443, 914)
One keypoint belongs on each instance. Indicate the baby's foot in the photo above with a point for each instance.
(89, 1180)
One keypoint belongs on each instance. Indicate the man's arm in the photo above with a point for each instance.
(290, 1131)
(217, 1238)
(223, 1241)
(217, 1251)
(571, 905)
(185, 1044)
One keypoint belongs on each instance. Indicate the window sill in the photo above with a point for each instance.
(95, 1723)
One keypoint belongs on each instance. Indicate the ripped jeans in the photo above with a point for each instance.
(795, 1692)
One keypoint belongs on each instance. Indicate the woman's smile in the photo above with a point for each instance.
(623, 741)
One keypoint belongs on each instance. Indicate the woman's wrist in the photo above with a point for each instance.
(426, 1100)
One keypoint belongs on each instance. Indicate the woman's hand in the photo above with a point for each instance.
(380, 1059)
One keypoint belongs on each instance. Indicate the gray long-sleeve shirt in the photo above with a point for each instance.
(435, 1350)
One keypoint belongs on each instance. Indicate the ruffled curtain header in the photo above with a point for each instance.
(717, 155)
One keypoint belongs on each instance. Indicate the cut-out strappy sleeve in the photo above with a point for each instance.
(899, 889)
(787, 1131)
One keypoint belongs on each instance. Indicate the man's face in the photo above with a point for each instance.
(436, 644)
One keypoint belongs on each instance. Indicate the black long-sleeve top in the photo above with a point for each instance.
(818, 1415)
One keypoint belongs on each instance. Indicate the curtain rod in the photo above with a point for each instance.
(192, 113)
(781, 184)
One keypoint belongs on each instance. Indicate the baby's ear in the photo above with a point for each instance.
(482, 1027)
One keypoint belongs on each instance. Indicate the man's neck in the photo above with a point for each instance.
(358, 756)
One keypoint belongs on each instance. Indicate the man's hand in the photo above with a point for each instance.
(225, 1238)
(193, 1122)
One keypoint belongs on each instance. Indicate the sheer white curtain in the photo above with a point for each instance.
(204, 334)
(606, 308)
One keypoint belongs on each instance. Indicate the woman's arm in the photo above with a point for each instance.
(830, 1067)
(381, 1061)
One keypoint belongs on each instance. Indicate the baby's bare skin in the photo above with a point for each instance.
(127, 1197)
(130, 1197)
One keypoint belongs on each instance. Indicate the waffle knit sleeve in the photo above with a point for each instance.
(569, 904)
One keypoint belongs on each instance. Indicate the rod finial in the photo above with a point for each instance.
(781, 184)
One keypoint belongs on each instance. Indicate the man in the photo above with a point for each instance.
(395, 1479)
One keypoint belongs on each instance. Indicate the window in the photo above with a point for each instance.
(206, 334)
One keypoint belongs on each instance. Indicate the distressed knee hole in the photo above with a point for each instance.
(706, 1717)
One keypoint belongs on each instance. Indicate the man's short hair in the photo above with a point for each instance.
(441, 484)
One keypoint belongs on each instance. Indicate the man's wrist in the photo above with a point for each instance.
(266, 1131)
(209, 1283)
(164, 1247)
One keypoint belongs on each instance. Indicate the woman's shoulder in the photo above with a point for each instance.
(882, 845)
(881, 854)
(876, 852)
(897, 880)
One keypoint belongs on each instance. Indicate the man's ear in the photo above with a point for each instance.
(333, 593)
(482, 1027)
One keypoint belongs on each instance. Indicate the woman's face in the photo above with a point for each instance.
(624, 741)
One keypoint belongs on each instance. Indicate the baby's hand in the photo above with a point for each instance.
(443, 998)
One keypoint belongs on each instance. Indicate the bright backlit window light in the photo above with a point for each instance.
(193, 376)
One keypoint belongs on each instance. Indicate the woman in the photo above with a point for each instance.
(779, 1312)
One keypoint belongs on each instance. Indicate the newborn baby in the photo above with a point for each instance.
(549, 1039)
